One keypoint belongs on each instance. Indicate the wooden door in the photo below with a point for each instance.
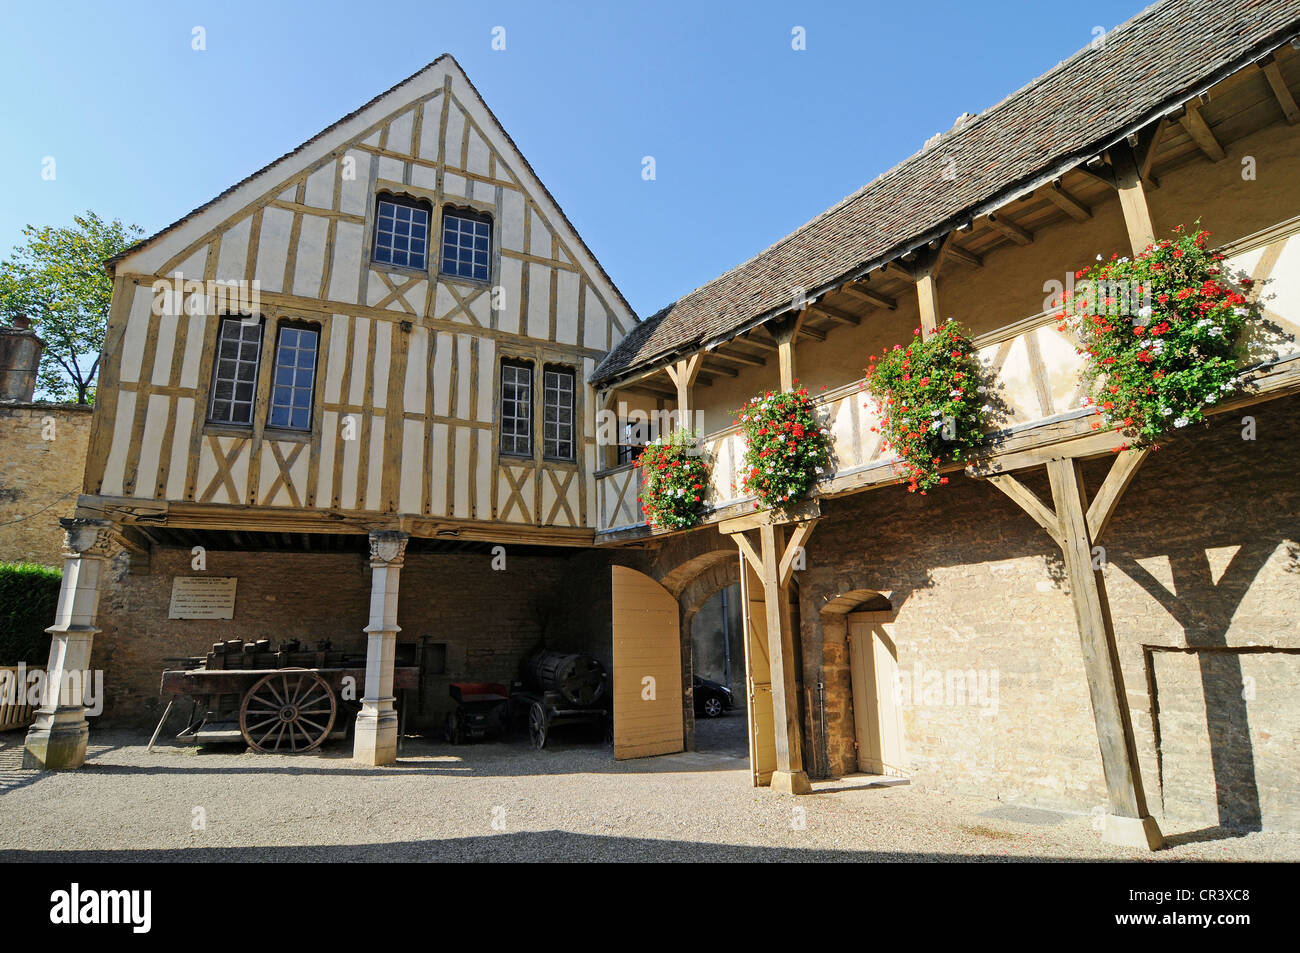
(647, 667)
(758, 678)
(874, 672)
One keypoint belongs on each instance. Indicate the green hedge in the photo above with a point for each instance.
(29, 595)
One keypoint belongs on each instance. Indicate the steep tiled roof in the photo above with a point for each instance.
(1084, 104)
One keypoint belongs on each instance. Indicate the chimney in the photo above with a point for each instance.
(20, 356)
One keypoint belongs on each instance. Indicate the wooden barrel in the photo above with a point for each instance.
(580, 679)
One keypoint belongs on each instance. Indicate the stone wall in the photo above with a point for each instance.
(42, 459)
(1203, 577)
(489, 620)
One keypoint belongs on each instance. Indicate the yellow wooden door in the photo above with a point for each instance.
(873, 667)
(758, 679)
(647, 667)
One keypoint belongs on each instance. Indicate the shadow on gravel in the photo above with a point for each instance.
(532, 846)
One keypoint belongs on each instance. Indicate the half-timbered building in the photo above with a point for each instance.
(379, 402)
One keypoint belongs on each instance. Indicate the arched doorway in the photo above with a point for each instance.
(862, 621)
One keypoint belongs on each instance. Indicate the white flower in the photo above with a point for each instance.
(934, 413)
(954, 393)
(936, 425)
(1240, 312)
(1214, 332)
(1181, 422)
(986, 408)
(1166, 411)
(1212, 398)
(1204, 322)
(981, 389)
(1099, 258)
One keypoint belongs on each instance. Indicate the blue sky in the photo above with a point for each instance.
(751, 138)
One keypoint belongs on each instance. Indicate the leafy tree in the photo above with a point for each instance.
(57, 279)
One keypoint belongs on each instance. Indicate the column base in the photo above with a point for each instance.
(1141, 832)
(375, 741)
(58, 747)
(790, 782)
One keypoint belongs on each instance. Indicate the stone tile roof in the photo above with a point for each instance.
(1167, 52)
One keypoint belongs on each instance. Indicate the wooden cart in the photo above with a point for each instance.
(286, 701)
(560, 689)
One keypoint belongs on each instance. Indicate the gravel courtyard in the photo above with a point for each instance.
(572, 802)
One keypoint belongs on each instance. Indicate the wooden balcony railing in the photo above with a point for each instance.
(1034, 369)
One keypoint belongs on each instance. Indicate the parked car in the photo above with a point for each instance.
(712, 699)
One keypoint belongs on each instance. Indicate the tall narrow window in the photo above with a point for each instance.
(294, 378)
(466, 244)
(402, 231)
(234, 372)
(557, 413)
(517, 408)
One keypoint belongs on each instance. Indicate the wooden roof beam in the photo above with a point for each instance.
(1280, 91)
(960, 254)
(712, 368)
(1067, 203)
(1200, 131)
(1021, 236)
(855, 290)
(835, 314)
(737, 356)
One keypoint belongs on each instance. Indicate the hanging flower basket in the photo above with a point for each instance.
(674, 481)
(1160, 333)
(932, 402)
(786, 448)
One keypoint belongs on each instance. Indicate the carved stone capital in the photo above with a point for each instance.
(87, 537)
(388, 547)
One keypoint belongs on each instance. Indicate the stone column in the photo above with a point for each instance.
(57, 741)
(376, 730)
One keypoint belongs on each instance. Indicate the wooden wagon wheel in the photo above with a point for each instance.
(288, 712)
(537, 725)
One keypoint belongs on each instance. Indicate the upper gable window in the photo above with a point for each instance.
(234, 372)
(466, 244)
(402, 231)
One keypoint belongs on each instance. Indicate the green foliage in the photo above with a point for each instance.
(1160, 332)
(674, 481)
(57, 279)
(932, 402)
(786, 447)
(29, 595)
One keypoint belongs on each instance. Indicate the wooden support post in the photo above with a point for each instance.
(927, 297)
(375, 740)
(774, 562)
(1132, 197)
(1127, 822)
(683, 374)
(784, 330)
(1075, 527)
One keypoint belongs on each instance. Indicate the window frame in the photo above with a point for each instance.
(405, 201)
(294, 324)
(242, 321)
(529, 417)
(571, 373)
(470, 214)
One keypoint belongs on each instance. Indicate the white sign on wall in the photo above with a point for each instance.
(202, 597)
